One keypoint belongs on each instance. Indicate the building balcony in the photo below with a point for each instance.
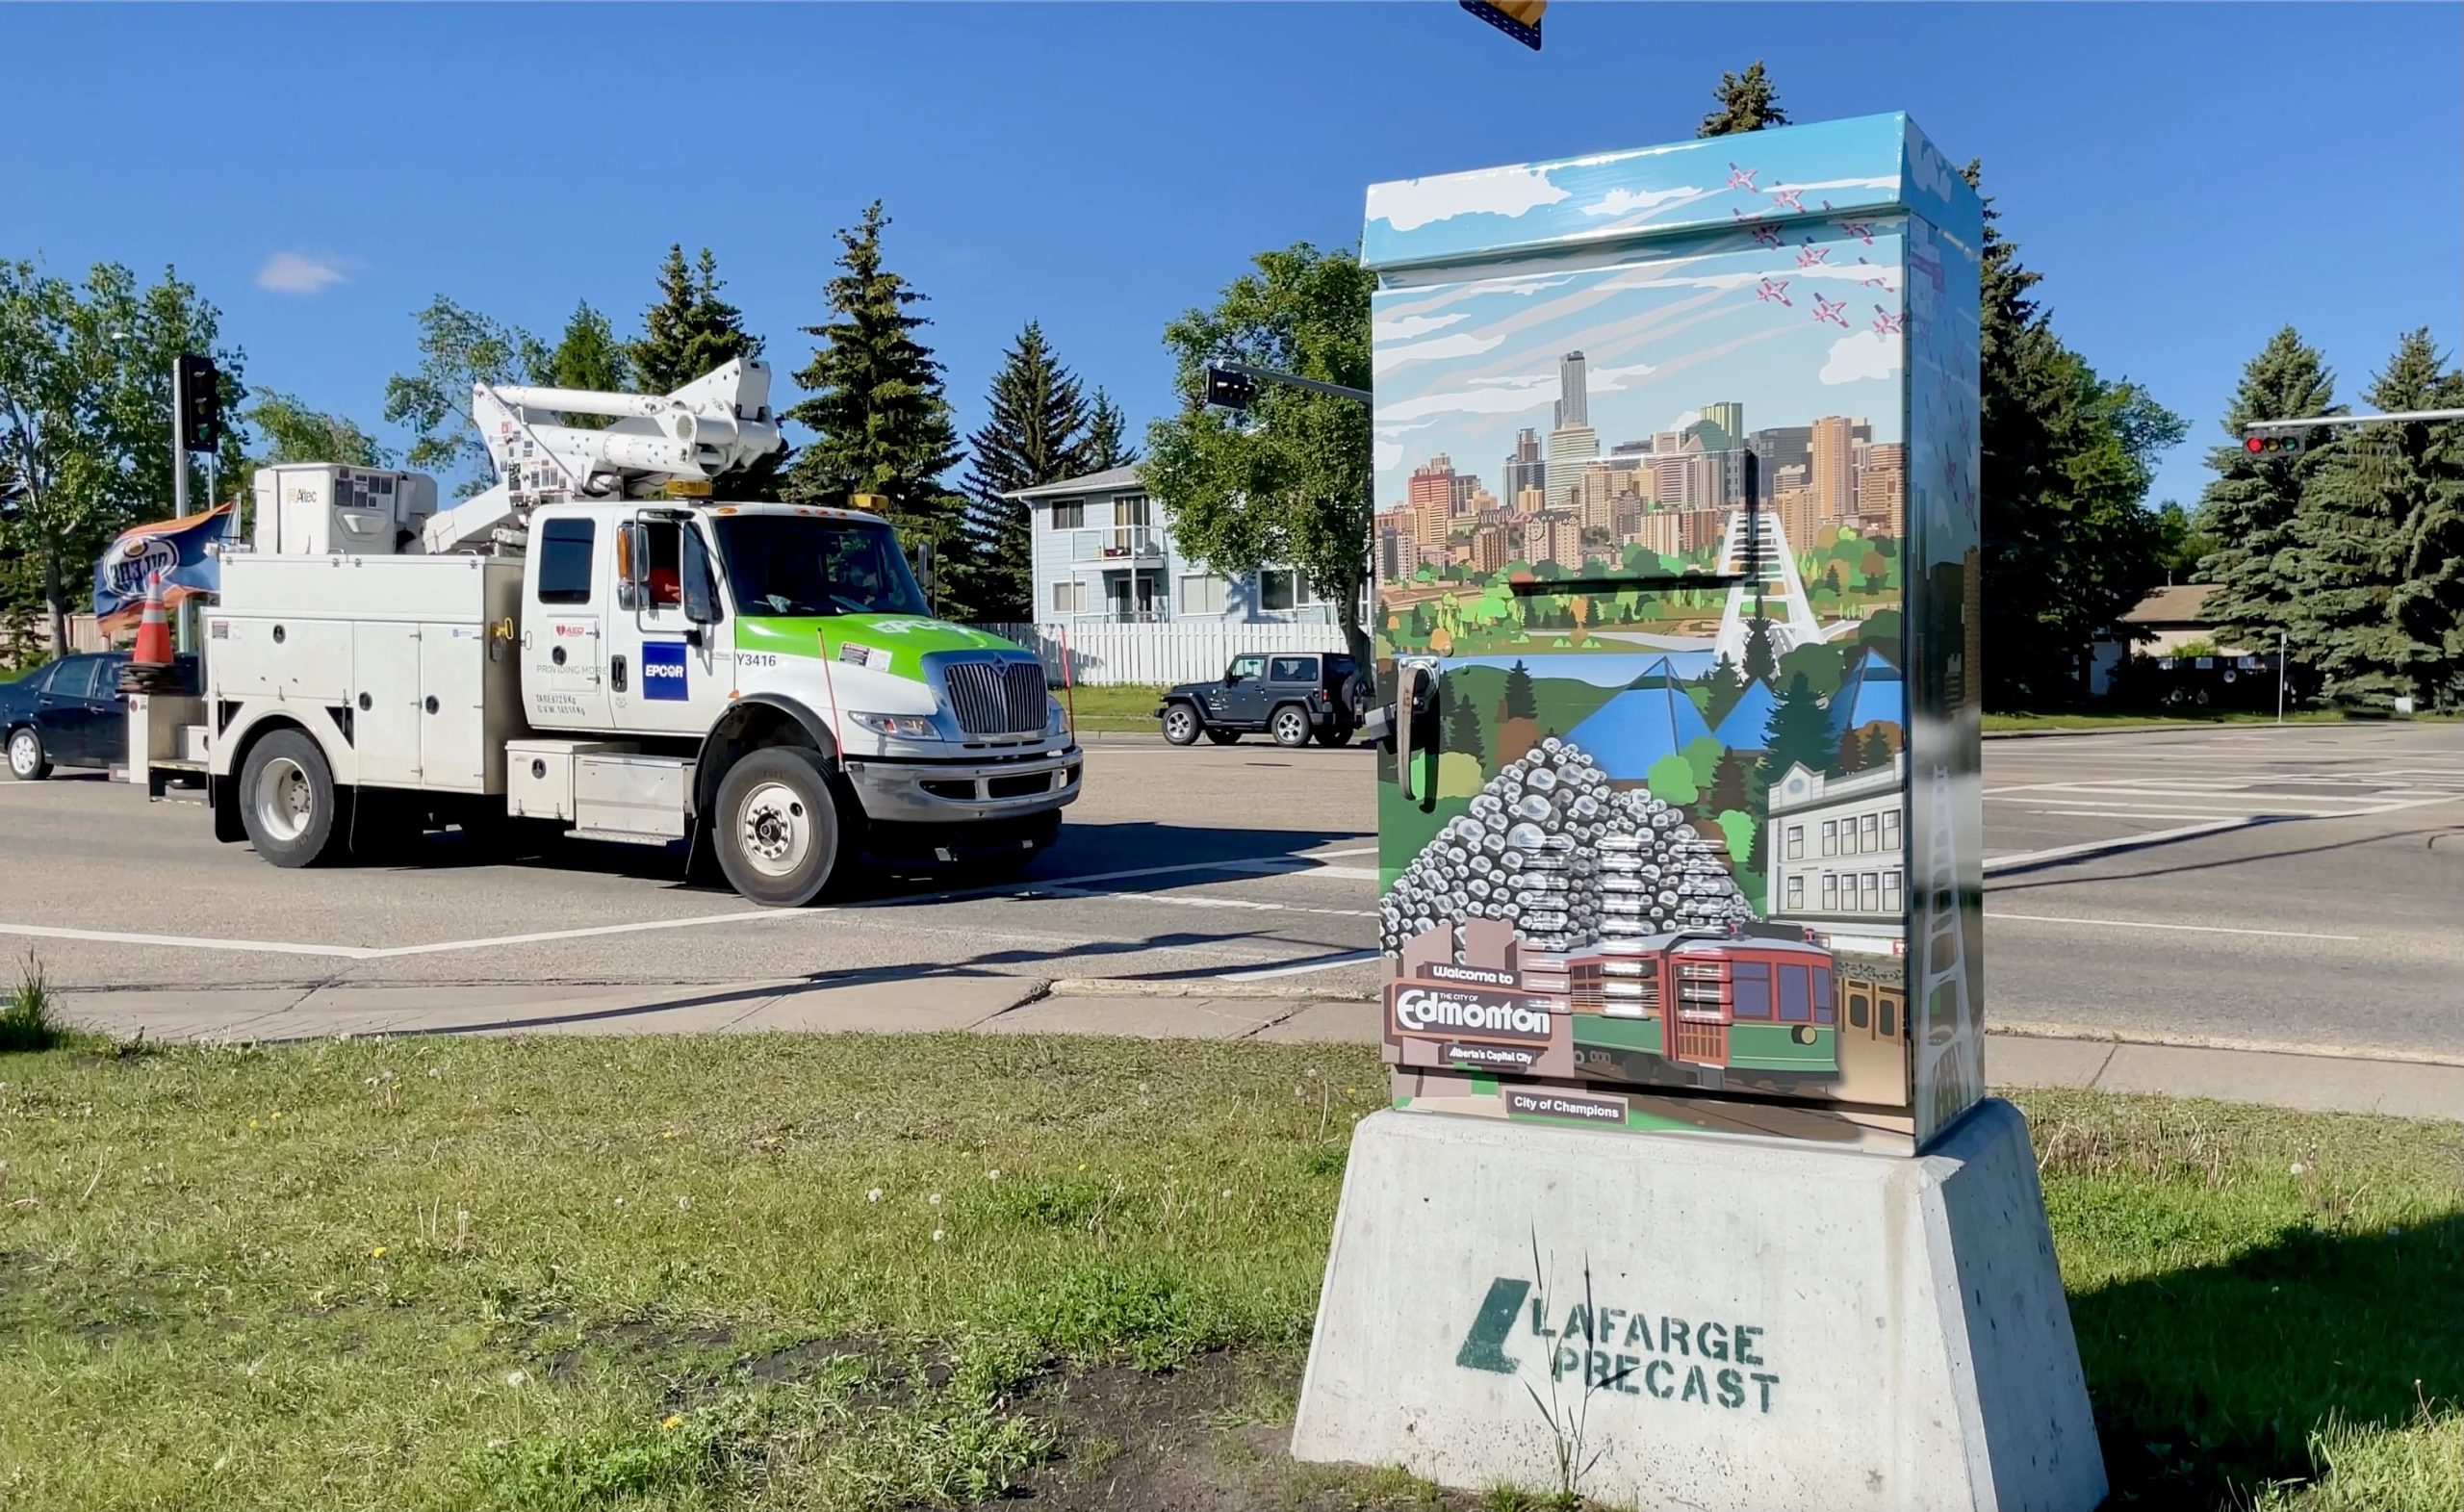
(1124, 617)
(1115, 546)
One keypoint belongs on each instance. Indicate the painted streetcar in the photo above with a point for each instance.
(1753, 1000)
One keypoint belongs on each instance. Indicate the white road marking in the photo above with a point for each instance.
(1354, 959)
(2161, 814)
(2120, 843)
(1264, 866)
(2143, 924)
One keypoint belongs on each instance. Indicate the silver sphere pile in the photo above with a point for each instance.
(1550, 848)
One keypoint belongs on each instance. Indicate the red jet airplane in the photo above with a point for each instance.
(1886, 324)
(1774, 289)
(1789, 199)
(1812, 256)
(1862, 233)
(1875, 282)
(1742, 178)
(1828, 310)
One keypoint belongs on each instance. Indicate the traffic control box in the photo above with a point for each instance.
(1676, 561)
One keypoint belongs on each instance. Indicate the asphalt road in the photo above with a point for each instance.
(2300, 886)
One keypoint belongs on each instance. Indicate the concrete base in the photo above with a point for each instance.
(1730, 1324)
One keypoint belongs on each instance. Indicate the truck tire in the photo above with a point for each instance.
(1224, 737)
(288, 800)
(1181, 724)
(28, 760)
(776, 829)
(1335, 732)
(1290, 726)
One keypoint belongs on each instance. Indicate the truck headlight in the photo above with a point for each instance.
(897, 727)
(1056, 719)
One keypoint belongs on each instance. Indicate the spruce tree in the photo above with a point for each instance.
(2249, 508)
(881, 422)
(1036, 433)
(1748, 101)
(1107, 436)
(2428, 602)
(1799, 734)
(689, 332)
(588, 356)
(2357, 537)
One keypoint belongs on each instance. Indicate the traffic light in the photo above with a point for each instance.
(2276, 444)
(197, 394)
(1519, 19)
(1226, 389)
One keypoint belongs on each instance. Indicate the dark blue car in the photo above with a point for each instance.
(69, 714)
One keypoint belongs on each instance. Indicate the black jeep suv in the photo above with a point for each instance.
(1291, 696)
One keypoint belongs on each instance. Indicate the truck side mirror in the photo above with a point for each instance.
(633, 564)
(700, 591)
(926, 567)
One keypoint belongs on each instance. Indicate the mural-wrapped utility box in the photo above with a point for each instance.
(1677, 573)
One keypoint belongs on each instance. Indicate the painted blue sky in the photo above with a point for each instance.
(2188, 177)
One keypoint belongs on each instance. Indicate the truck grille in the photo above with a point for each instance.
(996, 698)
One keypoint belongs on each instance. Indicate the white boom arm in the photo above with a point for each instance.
(718, 422)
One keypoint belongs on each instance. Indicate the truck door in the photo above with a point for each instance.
(665, 674)
(564, 683)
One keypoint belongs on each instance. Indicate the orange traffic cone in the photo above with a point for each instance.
(153, 628)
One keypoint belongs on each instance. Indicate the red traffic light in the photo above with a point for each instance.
(2256, 443)
(2288, 444)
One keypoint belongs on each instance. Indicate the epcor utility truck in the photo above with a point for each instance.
(593, 643)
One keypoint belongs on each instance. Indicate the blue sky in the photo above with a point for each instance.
(2187, 178)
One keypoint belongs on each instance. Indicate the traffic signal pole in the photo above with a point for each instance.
(179, 445)
(2261, 428)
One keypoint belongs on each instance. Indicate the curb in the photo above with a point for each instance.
(2076, 1034)
(1133, 986)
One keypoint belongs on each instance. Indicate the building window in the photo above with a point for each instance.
(1068, 514)
(1281, 589)
(1796, 841)
(1873, 835)
(1890, 892)
(1831, 837)
(1830, 892)
(1871, 894)
(1069, 598)
(1796, 892)
(1201, 593)
(564, 562)
(1890, 831)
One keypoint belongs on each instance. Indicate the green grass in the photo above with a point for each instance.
(28, 1019)
(1128, 707)
(713, 1274)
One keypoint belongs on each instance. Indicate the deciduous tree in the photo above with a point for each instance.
(458, 348)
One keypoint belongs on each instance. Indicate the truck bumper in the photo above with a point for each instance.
(962, 792)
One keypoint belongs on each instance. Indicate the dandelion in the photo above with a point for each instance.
(1227, 1193)
(684, 1204)
(1082, 1164)
(667, 1134)
(2299, 1169)
(378, 1253)
(252, 1123)
(278, 1117)
(874, 1196)
(934, 1201)
(671, 1422)
(516, 1377)
(1352, 1091)
(2395, 1231)
(993, 1175)
(936, 1236)
(619, 1202)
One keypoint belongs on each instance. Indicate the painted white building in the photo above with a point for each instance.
(1836, 852)
(1104, 555)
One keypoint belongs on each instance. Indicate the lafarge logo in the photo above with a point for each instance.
(1429, 1011)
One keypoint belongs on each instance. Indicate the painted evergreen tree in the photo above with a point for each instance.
(2352, 553)
(1800, 735)
(1748, 101)
(1035, 433)
(686, 333)
(588, 356)
(881, 422)
(1759, 662)
(1108, 436)
(1463, 732)
(2249, 508)
(1521, 701)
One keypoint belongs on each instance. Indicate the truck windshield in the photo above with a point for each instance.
(801, 564)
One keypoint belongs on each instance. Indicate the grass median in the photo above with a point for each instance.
(1113, 710)
(880, 1272)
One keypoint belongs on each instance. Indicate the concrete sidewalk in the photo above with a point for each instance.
(903, 1002)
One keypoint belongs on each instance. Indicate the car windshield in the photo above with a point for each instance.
(805, 564)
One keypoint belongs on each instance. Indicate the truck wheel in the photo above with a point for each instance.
(776, 831)
(28, 760)
(1181, 724)
(1290, 726)
(1224, 737)
(288, 800)
(1336, 733)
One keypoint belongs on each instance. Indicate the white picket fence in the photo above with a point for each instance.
(1187, 651)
